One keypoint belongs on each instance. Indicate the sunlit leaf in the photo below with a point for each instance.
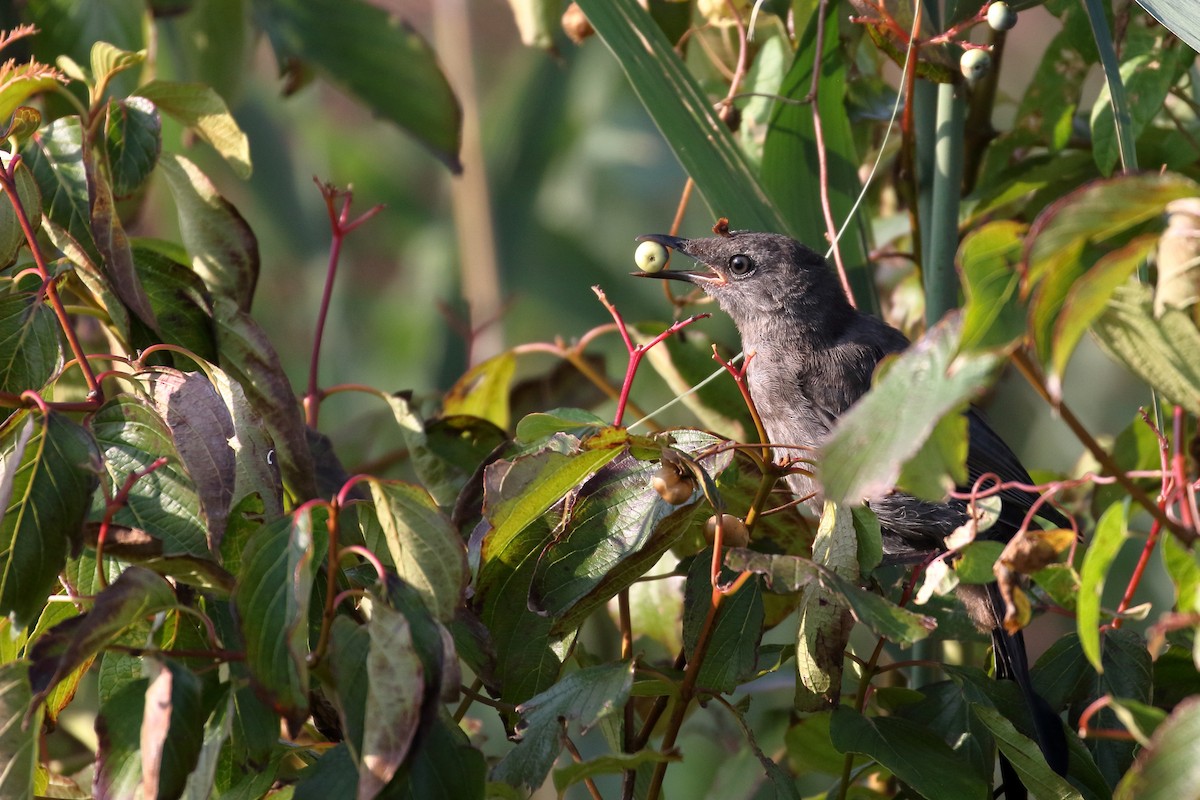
(12, 235)
(133, 139)
(1165, 352)
(987, 259)
(1111, 532)
(48, 470)
(425, 549)
(18, 736)
(483, 391)
(201, 109)
(1025, 757)
(1169, 767)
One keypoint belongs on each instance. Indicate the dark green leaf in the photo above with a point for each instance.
(332, 775)
(346, 663)
(684, 114)
(119, 729)
(584, 697)
(1023, 753)
(445, 766)
(180, 301)
(18, 736)
(138, 593)
(223, 249)
(30, 350)
(888, 426)
(375, 56)
(912, 753)
(272, 601)
(252, 363)
(571, 774)
(133, 139)
(731, 652)
(132, 437)
(201, 782)
(201, 109)
(48, 472)
(809, 748)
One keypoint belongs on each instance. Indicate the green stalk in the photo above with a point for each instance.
(941, 280)
(1116, 88)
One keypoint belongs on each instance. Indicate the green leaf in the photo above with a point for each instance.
(1170, 766)
(975, 563)
(585, 697)
(108, 60)
(30, 349)
(1165, 352)
(138, 593)
(824, 626)
(180, 301)
(172, 731)
(163, 503)
(888, 426)
(1061, 582)
(21, 84)
(941, 463)
(445, 766)
(1111, 532)
(1140, 719)
(731, 656)
(1183, 566)
(395, 678)
(445, 452)
(1147, 77)
(571, 774)
(1088, 298)
(332, 775)
(119, 728)
(18, 736)
(1025, 757)
(55, 158)
(913, 753)
(223, 248)
(993, 316)
(48, 472)
(1069, 236)
(483, 391)
(376, 57)
(1176, 16)
(272, 601)
(534, 430)
(424, 547)
(201, 109)
(809, 747)
(1052, 96)
(346, 679)
(684, 114)
(201, 783)
(616, 529)
(133, 140)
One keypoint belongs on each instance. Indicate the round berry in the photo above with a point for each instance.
(672, 486)
(733, 531)
(1001, 16)
(651, 257)
(975, 64)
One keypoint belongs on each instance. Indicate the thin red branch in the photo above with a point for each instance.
(114, 505)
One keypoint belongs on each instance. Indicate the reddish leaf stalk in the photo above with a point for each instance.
(340, 227)
(8, 180)
(113, 506)
(636, 351)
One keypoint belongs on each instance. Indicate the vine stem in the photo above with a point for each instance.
(1033, 374)
(340, 226)
(114, 505)
(49, 289)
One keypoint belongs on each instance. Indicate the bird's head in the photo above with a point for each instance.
(754, 276)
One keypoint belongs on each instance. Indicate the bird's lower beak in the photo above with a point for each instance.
(695, 277)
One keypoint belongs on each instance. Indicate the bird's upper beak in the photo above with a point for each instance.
(706, 276)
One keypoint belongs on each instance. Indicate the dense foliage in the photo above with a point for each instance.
(535, 589)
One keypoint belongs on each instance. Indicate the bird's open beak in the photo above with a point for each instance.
(695, 277)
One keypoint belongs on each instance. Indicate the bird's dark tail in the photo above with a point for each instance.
(1012, 663)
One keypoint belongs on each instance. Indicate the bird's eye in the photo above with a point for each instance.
(740, 265)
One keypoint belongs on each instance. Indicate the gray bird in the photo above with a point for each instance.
(813, 356)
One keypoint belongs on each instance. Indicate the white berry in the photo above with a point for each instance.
(1001, 16)
(975, 64)
(651, 257)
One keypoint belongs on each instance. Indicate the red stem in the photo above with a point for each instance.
(113, 506)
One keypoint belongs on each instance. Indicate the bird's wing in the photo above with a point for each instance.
(987, 452)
